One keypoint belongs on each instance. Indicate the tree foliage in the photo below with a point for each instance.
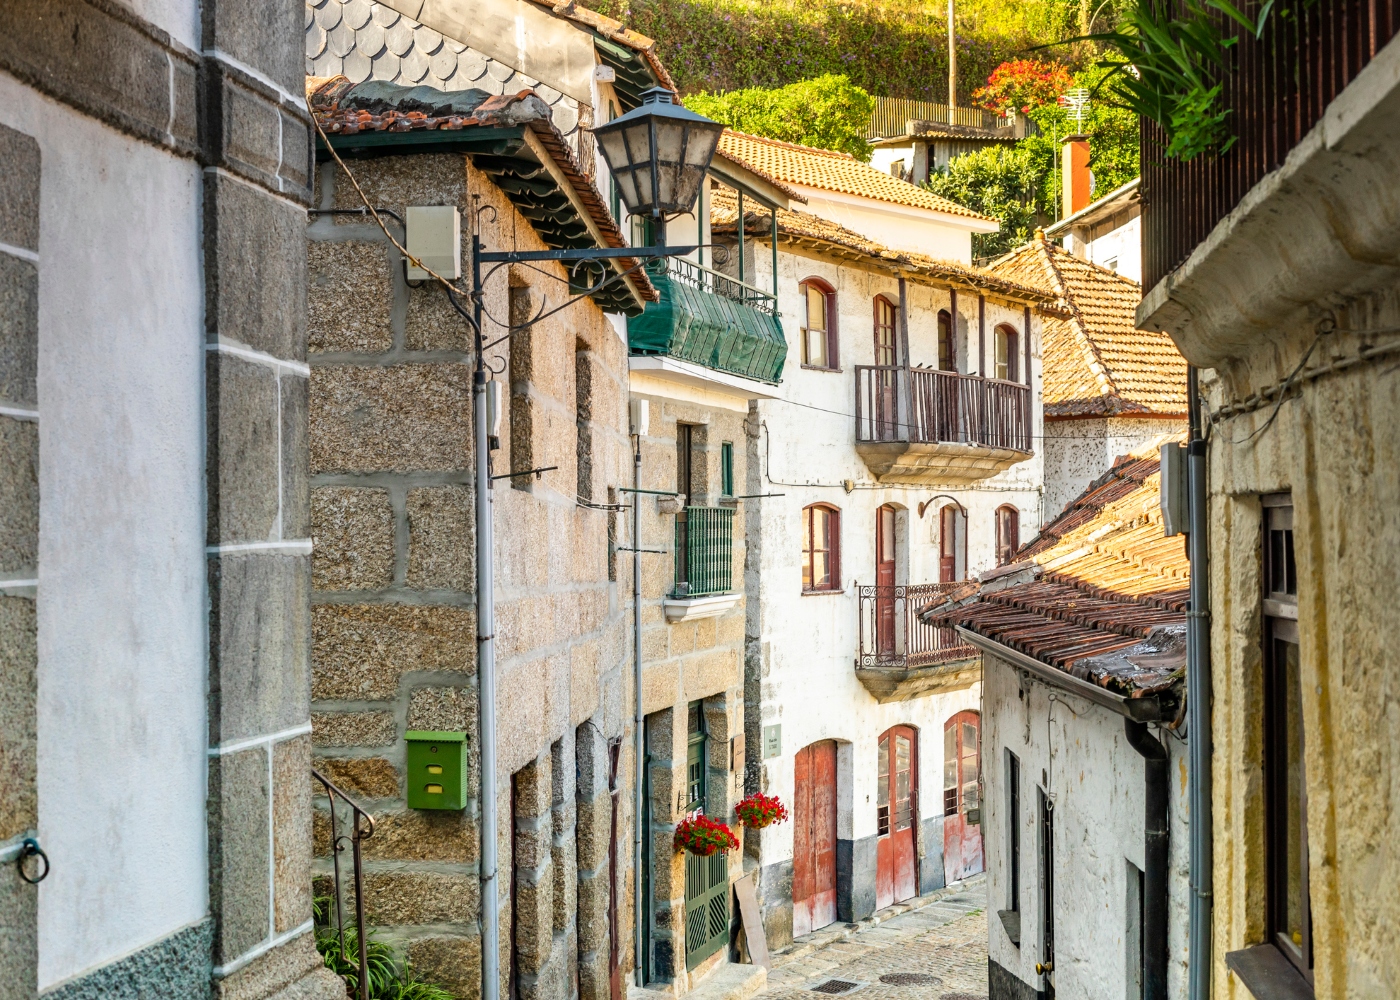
(1020, 185)
(1023, 84)
(829, 112)
(892, 48)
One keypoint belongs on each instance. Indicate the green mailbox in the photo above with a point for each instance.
(437, 769)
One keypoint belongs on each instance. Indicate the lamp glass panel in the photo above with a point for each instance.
(688, 185)
(626, 188)
(670, 140)
(643, 193)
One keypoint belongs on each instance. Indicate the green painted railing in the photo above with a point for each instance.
(710, 319)
(704, 551)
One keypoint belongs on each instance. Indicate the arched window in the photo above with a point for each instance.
(1006, 354)
(819, 328)
(886, 352)
(1008, 534)
(947, 355)
(821, 547)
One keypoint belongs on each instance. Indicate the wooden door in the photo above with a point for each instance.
(814, 838)
(896, 871)
(884, 580)
(947, 544)
(886, 355)
(962, 813)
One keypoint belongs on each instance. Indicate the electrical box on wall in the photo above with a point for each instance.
(435, 238)
(1173, 489)
(437, 769)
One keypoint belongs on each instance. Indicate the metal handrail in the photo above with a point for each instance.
(356, 836)
(931, 406)
(718, 283)
(704, 553)
(902, 640)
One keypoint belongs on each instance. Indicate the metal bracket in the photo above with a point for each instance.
(655, 552)
(537, 473)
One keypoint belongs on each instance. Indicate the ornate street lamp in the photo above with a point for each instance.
(658, 154)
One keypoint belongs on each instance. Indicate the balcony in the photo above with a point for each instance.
(708, 318)
(902, 658)
(925, 426)
(704, 564)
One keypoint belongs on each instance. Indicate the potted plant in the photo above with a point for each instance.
(758, 810)
(703, 836)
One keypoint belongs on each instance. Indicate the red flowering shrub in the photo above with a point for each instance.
(758, 810)
(704, 836)
(1022, 85)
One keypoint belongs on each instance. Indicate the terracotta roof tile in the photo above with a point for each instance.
(823, 236)
(1101, 594)
(829, 170)
(614, 31)
(1096, 362)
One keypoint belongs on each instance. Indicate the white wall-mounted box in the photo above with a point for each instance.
(435, 239)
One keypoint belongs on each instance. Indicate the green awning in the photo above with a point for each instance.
(695, 325)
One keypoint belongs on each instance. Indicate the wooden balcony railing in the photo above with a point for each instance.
(927, 406)
(1276, 90)
(891, 634)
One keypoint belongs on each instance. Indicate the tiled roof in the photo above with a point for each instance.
(1101, 594)
(613, 31)
(1096, 362)
(363, 40)
(342, 108)
(832, 171)
(830, 239)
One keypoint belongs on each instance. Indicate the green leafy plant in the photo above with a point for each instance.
(390, 975)
(828, 112)
(1168, 67)
(1000, 181)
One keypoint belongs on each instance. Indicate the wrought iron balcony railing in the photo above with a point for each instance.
(928, 406)
(704, 552)
(891, 634)
(718, 283)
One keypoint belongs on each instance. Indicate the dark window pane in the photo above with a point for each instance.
(1292, 807)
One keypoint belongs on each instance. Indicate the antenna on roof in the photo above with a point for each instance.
(1077, 101)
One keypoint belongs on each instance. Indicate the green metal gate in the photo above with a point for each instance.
(706, 879)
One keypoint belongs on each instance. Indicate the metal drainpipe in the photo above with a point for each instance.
(1156, 789)
(1198, 710)
(486, 663)
(639, 750)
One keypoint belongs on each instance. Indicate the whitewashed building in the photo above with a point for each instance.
(1108, 231)
(1084, 811)
(894, 457)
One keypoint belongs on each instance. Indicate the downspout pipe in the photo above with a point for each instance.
(1198, 709)
(638, 735)
(486, 659)
(1157, 787)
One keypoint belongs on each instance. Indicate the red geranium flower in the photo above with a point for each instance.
(703, 836)
(758, 810)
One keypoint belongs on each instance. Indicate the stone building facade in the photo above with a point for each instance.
(154, 540)
(1290, 309)
(394, 631)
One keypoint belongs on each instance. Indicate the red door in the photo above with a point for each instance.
(962, 812)
(814, 838)
(896, 877)
(884, 580)
(947, 544)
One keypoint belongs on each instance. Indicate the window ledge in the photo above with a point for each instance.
(1011, 921)
(1267, 974)
(819, 593)
(821, 368)
(689, 609)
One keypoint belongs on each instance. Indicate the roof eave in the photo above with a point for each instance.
(1092, 212)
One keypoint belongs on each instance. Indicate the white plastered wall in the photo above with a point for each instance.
(1078, 754)
(805, 449)
(1079, 451)
(121, 596)
(900, 227)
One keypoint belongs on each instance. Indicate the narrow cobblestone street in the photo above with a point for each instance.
(937, 946)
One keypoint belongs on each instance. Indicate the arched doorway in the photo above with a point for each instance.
(896, 860)
(814, 838)
(962, 812)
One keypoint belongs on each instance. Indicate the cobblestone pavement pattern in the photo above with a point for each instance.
(943, 935)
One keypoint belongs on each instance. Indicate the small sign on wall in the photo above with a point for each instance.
(772, 741)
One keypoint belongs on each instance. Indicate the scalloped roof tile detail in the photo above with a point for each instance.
(1096, 362)
(829, 170)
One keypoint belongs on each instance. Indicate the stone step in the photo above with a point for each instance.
(731, 981)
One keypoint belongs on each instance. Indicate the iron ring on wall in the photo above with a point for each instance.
(29, 848)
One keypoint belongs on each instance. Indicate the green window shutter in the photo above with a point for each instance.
(726, 468)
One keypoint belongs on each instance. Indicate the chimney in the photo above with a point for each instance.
(1074, 171)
